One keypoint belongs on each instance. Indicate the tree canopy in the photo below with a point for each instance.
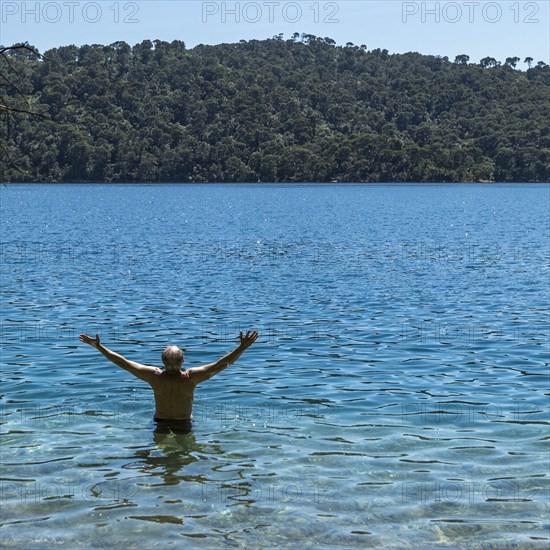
(273, 110)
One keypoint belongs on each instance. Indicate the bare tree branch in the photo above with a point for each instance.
(7, 109)
(4, 106)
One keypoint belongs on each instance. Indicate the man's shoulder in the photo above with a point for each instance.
(153, 373)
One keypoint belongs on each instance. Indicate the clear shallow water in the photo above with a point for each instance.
(398, 395)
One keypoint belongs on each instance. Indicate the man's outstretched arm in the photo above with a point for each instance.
(200, 374)
(141, 371)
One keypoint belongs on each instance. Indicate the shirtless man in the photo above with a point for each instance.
(174, 389)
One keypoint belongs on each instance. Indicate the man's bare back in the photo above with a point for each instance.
(174, 389)
(174, 394)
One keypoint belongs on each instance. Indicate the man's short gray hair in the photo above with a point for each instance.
(172, 358)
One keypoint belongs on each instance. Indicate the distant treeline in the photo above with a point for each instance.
(274, 110)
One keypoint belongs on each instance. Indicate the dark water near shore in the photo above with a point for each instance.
(397, 397)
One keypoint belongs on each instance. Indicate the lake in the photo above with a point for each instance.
(397, 396)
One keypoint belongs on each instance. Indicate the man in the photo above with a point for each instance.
(174, 389)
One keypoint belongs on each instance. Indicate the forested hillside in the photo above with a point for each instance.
(273, 110)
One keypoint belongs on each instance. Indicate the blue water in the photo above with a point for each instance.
(397, 397)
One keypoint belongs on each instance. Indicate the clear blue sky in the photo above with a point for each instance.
(479, 28)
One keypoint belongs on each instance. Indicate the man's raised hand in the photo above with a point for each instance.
(248, 339)
(94, 342)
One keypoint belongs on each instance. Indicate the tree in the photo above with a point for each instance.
(16, 102)
(488, 62)
(462, 59)
(529, 61)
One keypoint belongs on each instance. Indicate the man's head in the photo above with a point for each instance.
(172, 358)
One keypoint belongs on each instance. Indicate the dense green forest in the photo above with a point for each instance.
(302, 109)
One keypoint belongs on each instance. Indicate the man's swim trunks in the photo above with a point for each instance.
(177, 426)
